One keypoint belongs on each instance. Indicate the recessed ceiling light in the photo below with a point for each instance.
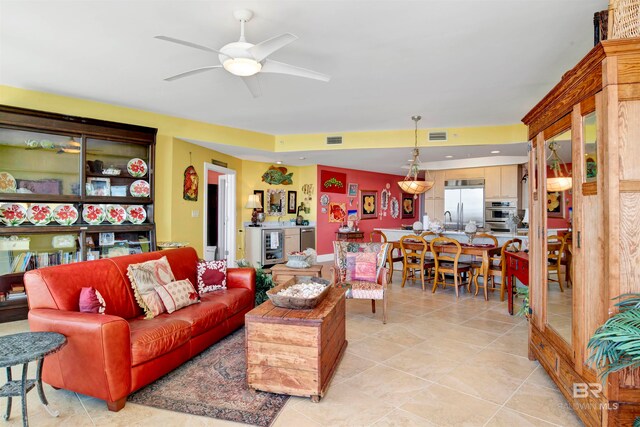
(495, 151)
(301, 158)
(449, 157)
(279, 162)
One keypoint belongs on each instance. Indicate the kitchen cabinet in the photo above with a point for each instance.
(291, 241)
(437, 191)
(599, 97)
(435, 209)
(501, 182)
(52, 167)
(468, 173)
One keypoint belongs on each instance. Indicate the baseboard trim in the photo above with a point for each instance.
(324, 258)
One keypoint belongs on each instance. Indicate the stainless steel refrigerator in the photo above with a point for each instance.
(463, 202)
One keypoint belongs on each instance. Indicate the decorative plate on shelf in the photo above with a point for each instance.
(116, 214)
(136, 214)
(324, 200)
(65, 214)
(93, 214)
(39, 214)
(395, 208)
(7, 183)
(12, 214)
(140, 188)
(137, 167)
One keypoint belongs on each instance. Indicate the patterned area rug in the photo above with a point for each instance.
(213, 384)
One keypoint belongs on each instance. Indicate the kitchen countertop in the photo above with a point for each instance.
(274, 224)
(452, 233)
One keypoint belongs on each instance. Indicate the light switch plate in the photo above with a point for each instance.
(195, 213)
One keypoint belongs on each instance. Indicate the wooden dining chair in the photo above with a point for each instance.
(448, 263)
(395, 254)
(566, 257)
(555, 249)
(498, 267)
(476, 264)
(413, 257)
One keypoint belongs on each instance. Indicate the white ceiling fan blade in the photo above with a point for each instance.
(267, 47)
(189, 44)
(253, 84)
(270, 66)
(192, 72)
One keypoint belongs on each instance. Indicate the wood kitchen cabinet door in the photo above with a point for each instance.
(509, 181)
(492, 177)
(434, 208)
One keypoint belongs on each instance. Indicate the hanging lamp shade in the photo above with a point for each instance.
(560, 181)
(411, 184)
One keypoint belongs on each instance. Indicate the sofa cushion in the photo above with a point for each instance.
(212, 275)
(235, 299)
(145, 277)
(91, 301)
(204, 316)
(177, 295)
(151, 338)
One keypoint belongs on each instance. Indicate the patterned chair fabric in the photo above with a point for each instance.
(359, 268)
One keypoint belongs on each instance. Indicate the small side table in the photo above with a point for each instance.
(21, 349)
(280, 273)
(350, 236)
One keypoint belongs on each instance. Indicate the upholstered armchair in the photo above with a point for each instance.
(359, 267)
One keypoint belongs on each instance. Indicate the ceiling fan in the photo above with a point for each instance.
(247, 60)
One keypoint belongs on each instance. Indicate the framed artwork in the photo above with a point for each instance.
(368, 204)
(190, 184)
(337, 212)
(260, 194)
(333, 182)
(353, 190)
(106, 239)
(98, 186)
(408, 206)
(555, 204)
(292, 201)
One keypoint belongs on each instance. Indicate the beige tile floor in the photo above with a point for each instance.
(437, 362)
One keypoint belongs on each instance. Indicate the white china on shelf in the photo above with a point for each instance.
(137, 167)
(65, 214)
(39, 214)
(116, 214)
(140, 188)
(93, 214)
(12, 214)
(136, 214)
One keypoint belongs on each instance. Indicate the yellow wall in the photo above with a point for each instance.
(170, 209)
(507, 134)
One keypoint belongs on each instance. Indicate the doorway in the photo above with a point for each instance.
(219, 218)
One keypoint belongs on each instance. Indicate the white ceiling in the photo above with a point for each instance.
(457, 63)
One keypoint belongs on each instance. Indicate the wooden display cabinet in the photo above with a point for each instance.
(593, 114)
(53, 159)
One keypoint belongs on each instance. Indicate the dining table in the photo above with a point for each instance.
(486, 251)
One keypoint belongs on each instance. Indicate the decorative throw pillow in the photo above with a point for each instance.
(365, 267)
(144, 279)
(212, 275)
(91, 301)
(178, 294)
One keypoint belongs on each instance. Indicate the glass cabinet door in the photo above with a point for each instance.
(109, 244)
(589, 135)
(39, 163)
(24, 252)
(117, 169)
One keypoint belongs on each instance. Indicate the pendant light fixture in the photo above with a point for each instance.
(411, 184)
(561, 179)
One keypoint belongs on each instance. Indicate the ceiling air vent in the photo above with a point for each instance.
(438, 136)
(334, 140)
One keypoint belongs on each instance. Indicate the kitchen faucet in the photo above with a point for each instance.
(445, 218)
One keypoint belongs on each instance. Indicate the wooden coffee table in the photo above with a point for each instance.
(295, 352)
(281, 273)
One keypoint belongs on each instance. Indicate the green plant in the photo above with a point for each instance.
(615, 345)
(525, 309)
(264, 282)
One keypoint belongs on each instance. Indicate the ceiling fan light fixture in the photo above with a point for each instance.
(243, 67)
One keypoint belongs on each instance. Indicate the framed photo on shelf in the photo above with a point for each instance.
(260, 194)
(353, 190)
(106, 239)
(93, 255)
(292, 201)
(408, 206)
(98, 186)
(368, 204)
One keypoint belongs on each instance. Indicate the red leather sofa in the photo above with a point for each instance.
(109, 356)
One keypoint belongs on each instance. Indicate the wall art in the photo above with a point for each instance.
(353, 190)
(555, 204)
(333, 182)
(368, 204)
(277, 175)
(337, 212)
(408, 206)
(190, 185)
(292, 201)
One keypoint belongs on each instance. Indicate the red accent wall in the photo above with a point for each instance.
(568, 198)
(213, 177)
(326, 230)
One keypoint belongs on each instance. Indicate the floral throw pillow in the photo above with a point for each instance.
(145, 277)
(91, 301)
(178, 294)
(212, 275)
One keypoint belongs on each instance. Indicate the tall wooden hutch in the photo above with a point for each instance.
(62, 161)
(593, 116)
